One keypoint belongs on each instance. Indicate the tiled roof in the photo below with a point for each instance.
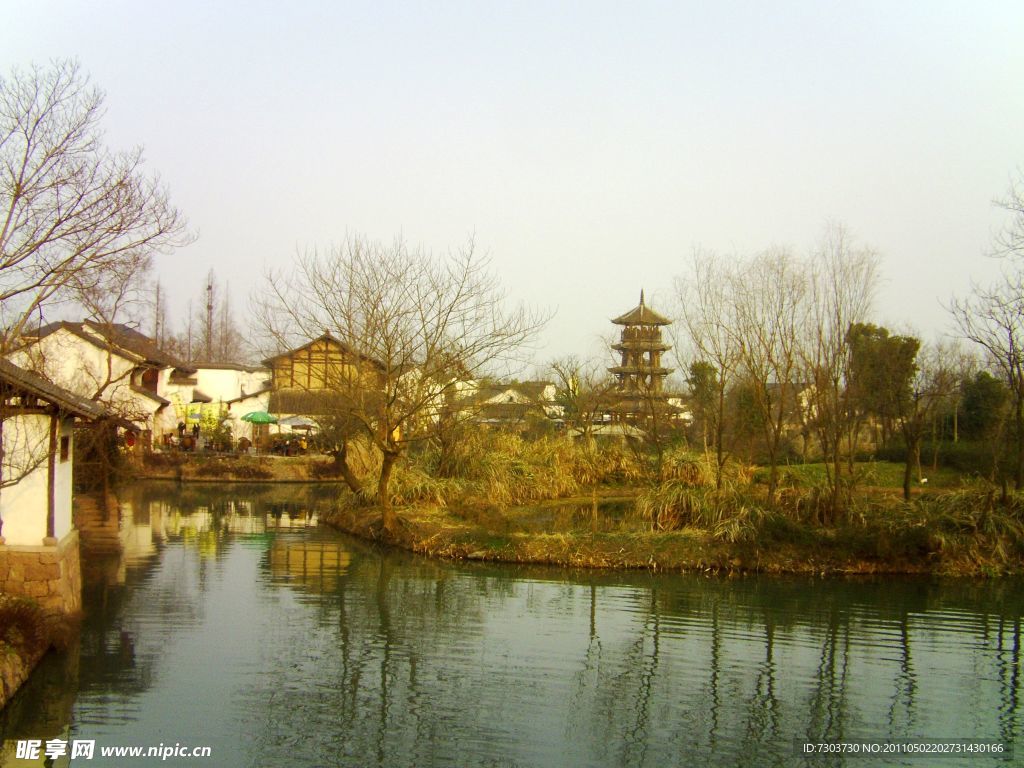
(118, 337)
(18, 378)
(642, 315)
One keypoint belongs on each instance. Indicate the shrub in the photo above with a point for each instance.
(251, 472)
(23, 626)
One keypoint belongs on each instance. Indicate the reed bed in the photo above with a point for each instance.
(503, 469)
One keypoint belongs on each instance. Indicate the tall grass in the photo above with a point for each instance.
(504, 469)
(955, 531)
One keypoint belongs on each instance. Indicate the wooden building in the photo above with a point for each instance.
(305, 380)
(640, 375)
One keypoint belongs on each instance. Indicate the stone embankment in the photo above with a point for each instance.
(51, 575)
(15, 667)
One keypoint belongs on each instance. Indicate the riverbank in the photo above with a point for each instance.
(235, 468)
(25, 637)
(896, 539)
(496, 510)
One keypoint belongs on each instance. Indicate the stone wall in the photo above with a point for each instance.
(14, 670)
(49, 574)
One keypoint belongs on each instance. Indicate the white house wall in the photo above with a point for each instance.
(62, 481)
(80, 367)
(223, 384)
(23, 507)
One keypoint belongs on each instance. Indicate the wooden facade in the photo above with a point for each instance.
(323, 364)
(640, 375)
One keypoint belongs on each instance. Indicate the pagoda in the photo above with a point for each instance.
(640, 376)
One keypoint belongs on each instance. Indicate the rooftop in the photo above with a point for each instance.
(642, 315)
(17, 378)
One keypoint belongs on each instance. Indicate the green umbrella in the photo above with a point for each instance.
(259, 417)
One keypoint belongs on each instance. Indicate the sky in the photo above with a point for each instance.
(587, 148)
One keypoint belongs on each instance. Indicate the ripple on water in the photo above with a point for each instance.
(306, 648)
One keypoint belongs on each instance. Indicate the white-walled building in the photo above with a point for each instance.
(233, 390)
(38, 543)
(117, 365)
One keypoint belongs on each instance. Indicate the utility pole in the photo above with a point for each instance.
(209, 316)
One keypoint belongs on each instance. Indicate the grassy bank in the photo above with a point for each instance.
(499, 497)
(217, 468)
(490, 508)
(946, 534)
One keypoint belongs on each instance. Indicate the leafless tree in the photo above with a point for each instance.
(708, 312)
(70, 208)
(1010, 241)
(842, 282)
(584, 387)
(23, 449)
(993, 318)
(416, 328)
(934, 380)
(219, 340)
(769, 295)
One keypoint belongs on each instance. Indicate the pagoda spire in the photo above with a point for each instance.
(641, 297)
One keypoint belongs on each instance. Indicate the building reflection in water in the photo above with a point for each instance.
(335, 652)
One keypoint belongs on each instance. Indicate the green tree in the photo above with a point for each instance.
(984, 406)
(882, 367)
(702, 381)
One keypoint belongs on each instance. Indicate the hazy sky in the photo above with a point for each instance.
(588, 147)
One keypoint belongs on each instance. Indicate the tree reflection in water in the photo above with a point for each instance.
(297, 646)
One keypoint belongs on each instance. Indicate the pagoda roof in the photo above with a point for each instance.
(642, 315)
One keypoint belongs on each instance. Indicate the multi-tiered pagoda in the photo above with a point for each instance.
(640, 375)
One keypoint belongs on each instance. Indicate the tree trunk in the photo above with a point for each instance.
(1018, 479)
(719, 437)
(341, 460)
(913, 456)
(388, 516)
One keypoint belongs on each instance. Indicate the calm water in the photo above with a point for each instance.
(225, 617)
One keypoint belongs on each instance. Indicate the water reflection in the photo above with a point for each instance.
(279, 643)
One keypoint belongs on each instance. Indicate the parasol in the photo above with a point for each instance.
(259, 417)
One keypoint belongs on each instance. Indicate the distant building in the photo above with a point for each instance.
(639, 393)
(230, 390)
(118, 365)
(517, 405)
(308, 379)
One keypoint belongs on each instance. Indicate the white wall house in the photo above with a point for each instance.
(115, 364)
(233, 390)
(37, 442)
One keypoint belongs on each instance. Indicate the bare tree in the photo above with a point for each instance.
(993, 318)
(70, 209)
(1010, 241)
(23, 448)
(220, 340)
(770, 294)
(707, 309)
(414, 328)
(843, 278)
(584, 387)
(933, 380)
(159, 314)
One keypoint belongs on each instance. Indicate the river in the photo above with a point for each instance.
(224, 617)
